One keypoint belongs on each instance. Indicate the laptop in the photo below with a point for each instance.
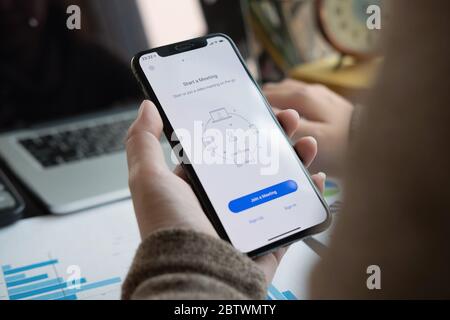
(73, 164)
(67, 98)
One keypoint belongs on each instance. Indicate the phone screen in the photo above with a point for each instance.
(251, 174)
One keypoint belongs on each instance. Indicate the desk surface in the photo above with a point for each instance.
(41, 255)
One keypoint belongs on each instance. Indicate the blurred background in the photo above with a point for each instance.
(50, 73)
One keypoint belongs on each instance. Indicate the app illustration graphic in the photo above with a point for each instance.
(238, 139)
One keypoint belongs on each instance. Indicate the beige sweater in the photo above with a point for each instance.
(396, 212)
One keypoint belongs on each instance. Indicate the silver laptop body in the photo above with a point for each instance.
(76, 182)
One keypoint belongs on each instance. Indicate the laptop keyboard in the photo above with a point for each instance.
(81, 143)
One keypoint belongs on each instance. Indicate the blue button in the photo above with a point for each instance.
(262, 196)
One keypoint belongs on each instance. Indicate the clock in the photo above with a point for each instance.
(343, 23)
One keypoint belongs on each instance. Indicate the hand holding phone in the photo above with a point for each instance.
(164, 199)
(240, 163)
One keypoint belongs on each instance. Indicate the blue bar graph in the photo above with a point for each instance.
(94, 285)
(15, 277)
(275, 294)
(28, 267)
(289, 295)
(41, 290)
(58, 295)
(39, 286)
(35, 286)
(72, 297)
(70, 292)
(26, 280)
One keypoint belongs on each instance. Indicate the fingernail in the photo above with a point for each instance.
(312, 139)
(295, 112)
(323, 175)
(141, 109)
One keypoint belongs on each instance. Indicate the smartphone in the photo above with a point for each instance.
(241, 165)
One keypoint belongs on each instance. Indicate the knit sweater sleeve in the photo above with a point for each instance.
(183, 264)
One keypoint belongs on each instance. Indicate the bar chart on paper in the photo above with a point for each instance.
(42, 281)
(63, 263)
(275, 294)
(39, 256)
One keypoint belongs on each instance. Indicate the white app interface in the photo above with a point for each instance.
(256, 186)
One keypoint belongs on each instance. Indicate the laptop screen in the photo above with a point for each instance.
(49, 71)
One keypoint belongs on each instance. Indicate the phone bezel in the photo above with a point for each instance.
(188, 168)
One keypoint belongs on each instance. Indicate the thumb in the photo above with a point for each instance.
(144, 153)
